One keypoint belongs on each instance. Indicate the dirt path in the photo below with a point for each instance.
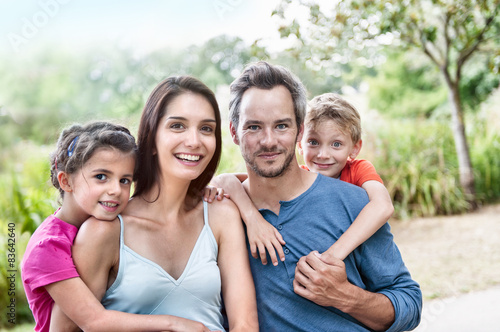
(452, 255)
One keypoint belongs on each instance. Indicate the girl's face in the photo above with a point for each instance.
(102, 187)
(185, 139)
(326, 149)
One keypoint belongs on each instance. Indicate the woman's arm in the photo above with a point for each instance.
(95, 253)
(237, 284)
(262, 235)
(370, 219)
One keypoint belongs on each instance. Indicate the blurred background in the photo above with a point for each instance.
(423, 74)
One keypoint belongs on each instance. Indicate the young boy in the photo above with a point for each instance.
(329, 145)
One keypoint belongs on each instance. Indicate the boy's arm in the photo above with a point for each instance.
(262, 235)
(370, 219)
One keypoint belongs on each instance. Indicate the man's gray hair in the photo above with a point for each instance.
(263, 75)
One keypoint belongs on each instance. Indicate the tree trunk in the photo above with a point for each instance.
(461, 146)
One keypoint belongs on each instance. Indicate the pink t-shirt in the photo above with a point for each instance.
(47, 260)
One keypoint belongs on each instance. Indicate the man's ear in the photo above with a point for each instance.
(64, 181)
(234, 135)
(299, 147)
(300, 133)
(356, 149)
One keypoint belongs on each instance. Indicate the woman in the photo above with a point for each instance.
(173, 253)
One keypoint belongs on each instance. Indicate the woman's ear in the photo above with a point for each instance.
(64, 181)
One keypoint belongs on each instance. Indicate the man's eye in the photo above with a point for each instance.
(282, 126)
(101, 177)
(253, 127)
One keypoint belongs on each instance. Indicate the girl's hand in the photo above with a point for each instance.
(261, 236)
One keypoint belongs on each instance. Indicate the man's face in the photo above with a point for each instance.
(267, 131)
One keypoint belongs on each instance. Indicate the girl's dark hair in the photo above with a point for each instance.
(77, 144)
(148, 172)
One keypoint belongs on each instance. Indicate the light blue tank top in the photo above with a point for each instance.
(143, 287)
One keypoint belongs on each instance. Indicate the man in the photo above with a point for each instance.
(371, 289)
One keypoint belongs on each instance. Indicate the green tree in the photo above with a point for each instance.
(448, 32)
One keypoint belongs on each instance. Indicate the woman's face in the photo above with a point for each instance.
(185, 139)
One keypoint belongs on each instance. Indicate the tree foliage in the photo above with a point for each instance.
(448, 32)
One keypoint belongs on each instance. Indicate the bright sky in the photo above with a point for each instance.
(142, 25)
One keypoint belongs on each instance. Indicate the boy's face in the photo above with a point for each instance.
(326, 149)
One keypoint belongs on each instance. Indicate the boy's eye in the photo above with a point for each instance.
(313, 142)
(101, 177)
(337, 144)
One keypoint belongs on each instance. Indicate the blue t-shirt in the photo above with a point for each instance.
(314, 221)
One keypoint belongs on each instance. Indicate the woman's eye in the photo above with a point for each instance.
(101, 177)
(176, 126)
(207, 129)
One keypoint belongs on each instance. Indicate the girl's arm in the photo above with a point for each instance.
(77, 301)
(238, 289)
(95, 253)
(370, 219)
(261, 234)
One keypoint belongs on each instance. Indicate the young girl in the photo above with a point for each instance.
(173, 253)
(330, 144)
(92, 168)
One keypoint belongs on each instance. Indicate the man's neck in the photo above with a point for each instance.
(266, 193)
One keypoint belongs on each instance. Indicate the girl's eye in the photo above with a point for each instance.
(337, 144)
(101, 177)
(313, 142)
(125, 181)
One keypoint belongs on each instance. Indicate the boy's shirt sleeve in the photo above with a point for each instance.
(358, 171)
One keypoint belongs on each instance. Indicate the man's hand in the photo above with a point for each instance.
(322, 280)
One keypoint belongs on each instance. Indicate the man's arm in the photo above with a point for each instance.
(324, 281)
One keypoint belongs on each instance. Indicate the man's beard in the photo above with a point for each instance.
(271, 173)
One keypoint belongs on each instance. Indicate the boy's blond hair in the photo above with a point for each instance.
(330, 106)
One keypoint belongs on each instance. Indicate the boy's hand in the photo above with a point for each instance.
(211, 193)
(261, 236)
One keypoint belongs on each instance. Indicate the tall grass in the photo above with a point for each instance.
(26, 201)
